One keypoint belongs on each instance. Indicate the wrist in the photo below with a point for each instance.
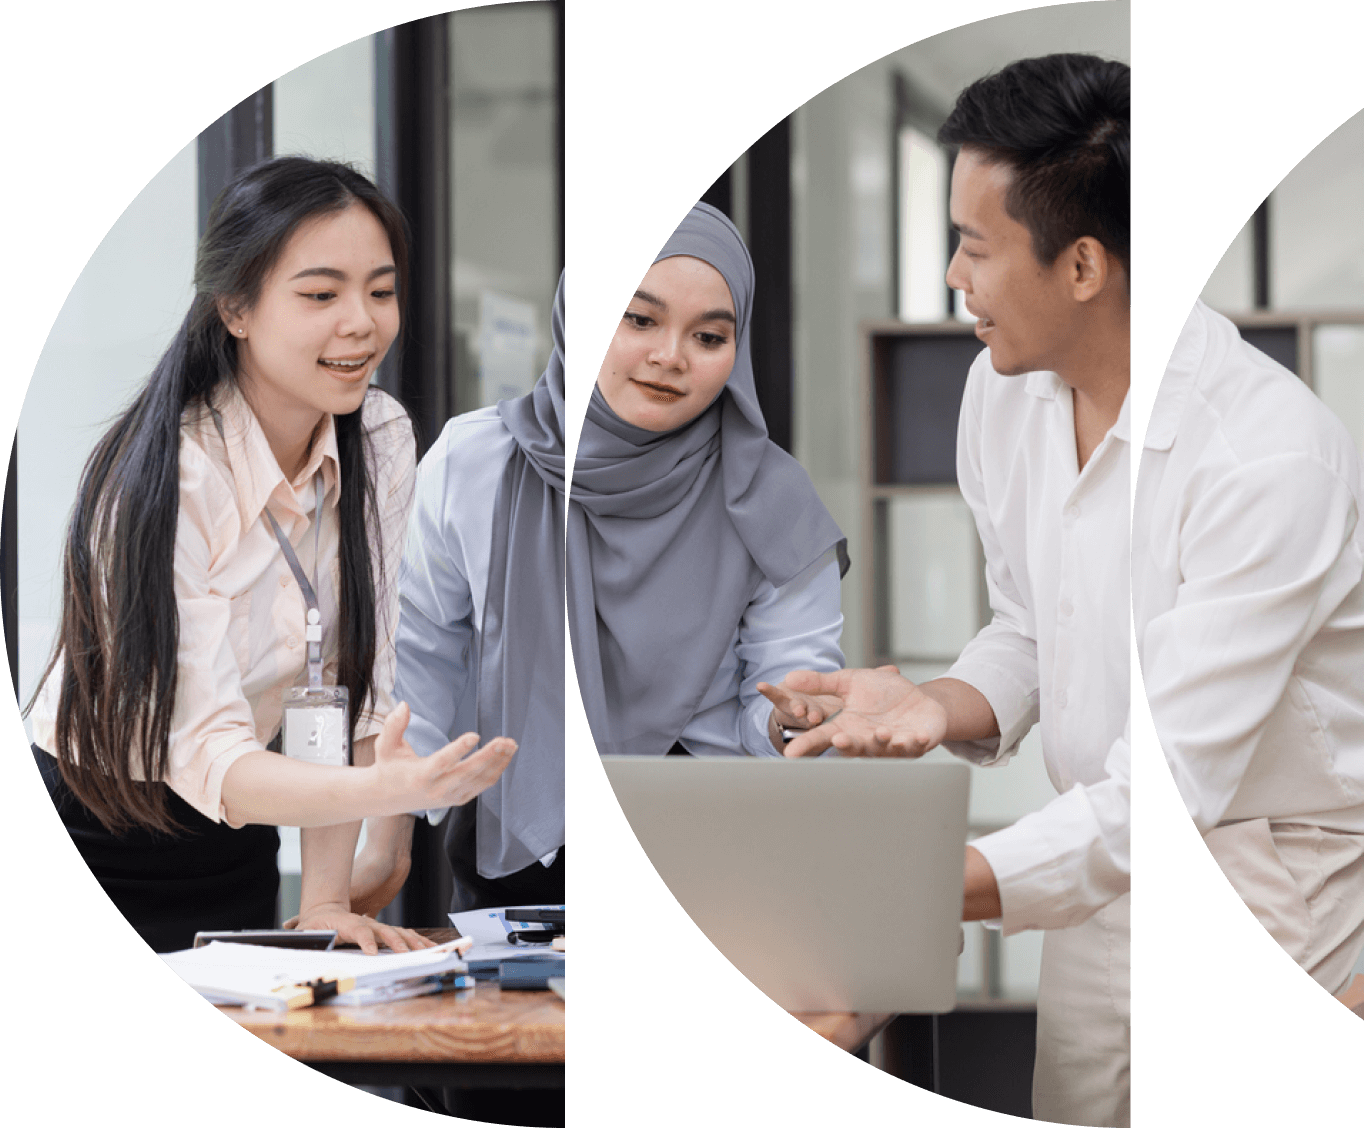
(391, 789)
(318, 908)
(967, 714)
(774, 731)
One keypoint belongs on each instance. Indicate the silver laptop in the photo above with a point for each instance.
(834, 885)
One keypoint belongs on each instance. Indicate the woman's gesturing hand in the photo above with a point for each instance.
(447, 778)
(880, 712)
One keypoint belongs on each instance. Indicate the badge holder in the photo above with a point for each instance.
(316, 722)
(316, 725)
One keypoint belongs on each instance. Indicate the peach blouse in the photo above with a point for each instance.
(242, 615)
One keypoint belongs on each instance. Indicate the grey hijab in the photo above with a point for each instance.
(671, 534)
(520, 819)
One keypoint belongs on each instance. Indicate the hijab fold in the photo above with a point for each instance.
(520, 819)
(671, 534)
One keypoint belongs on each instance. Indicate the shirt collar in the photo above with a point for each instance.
(1047, 385)
(256, 473)
(1178, 382)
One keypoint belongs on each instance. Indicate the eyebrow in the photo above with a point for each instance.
(340, 275)
(710, 314)
(969, 232)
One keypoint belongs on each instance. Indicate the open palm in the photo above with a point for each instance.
(880, 712)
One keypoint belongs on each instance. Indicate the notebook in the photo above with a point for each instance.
(832, 884)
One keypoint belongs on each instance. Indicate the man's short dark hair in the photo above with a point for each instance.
(1062, 124)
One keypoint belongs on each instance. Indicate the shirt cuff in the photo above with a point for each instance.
(216, 756)
(1051, 866)
(1013, 702)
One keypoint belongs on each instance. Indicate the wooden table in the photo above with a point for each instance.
(479, 1038)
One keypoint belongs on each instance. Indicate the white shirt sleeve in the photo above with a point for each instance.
(1058, 866)
(1266, 554)
(1001, 661)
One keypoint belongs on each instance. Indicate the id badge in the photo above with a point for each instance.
(317, 725)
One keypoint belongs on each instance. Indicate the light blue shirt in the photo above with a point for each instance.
(792, 627)
(443, 582)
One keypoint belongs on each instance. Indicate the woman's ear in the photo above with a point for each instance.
(232, 317)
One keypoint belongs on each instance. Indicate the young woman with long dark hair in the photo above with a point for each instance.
(255, 456)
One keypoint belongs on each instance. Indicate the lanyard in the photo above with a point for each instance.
(309, 590)
(314, 634)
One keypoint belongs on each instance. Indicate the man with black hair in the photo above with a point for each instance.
(1040, 200)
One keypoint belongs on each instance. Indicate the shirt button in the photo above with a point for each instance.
(291, 642)
(1061, 698)
(1065, 608)
(284, 581)
(1072, 512)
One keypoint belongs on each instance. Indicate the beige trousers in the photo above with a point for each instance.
(1305, 885)
(1082, 1074)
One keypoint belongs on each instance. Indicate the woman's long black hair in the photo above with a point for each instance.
(120, 625)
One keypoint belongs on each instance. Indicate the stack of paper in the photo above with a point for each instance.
(490, 928)
(281, 979)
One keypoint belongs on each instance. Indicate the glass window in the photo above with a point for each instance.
(115, 323)
(1316, 243)
(1338, 373)
(923, 227)
(505, 199)
(325, 108)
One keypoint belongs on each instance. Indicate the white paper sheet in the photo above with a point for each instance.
(250, 972)
(488, 929)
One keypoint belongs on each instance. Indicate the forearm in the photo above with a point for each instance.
(263, 787)
(327, 852)
(390, 835)
(969, 715)
(981, 897)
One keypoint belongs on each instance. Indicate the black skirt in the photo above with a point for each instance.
(206, 876)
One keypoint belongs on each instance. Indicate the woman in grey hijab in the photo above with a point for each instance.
(480, 636)
(700, 559)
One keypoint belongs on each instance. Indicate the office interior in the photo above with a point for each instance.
(860, 353)
(459, 117)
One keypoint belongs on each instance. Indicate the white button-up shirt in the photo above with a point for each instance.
(1056, 556)
(1248, 587)
(242, 616)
